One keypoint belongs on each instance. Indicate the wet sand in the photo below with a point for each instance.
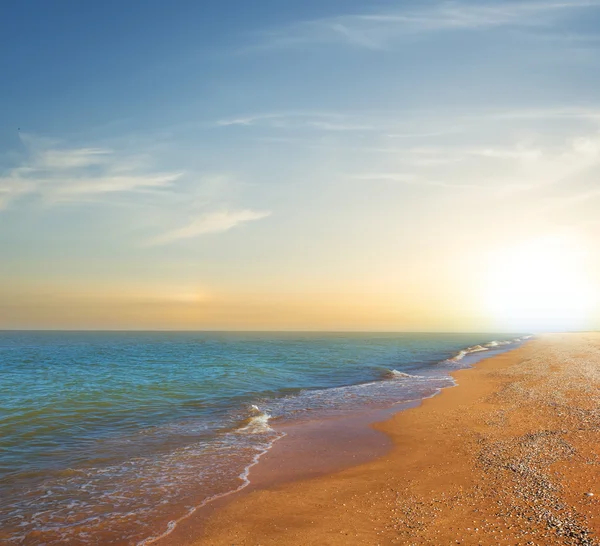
(510, 456)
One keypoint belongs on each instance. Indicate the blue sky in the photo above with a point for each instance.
(232, 164)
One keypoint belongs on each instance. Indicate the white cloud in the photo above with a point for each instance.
(237, 121)
(214, 222)
(262, 118)
(404, 124)
(560, 169)
(412, 179)
(376, 30)
(407, 178)
(331, 126)
(323, 121)
(550, 164)
(70, 159)
(51, 173)
(11, 187)
(59, 174)
(113, 183)
(518, 153)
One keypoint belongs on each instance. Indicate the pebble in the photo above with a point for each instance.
(529, 493)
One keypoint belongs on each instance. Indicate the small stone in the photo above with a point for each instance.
(590, 494)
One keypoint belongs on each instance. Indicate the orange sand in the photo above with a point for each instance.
(510, 456)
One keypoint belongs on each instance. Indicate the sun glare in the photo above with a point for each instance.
(540, 285)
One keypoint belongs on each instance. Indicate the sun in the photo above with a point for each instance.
(539, 285)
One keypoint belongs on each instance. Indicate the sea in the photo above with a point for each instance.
(113, 437)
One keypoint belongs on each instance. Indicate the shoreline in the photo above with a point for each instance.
(323, 445)
(327, 428)
(311, 509)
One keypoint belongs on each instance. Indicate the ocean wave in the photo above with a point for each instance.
(485, 347)
(217, 461)
(395, 374)
(461, 354)
(494, 343)
(256, 424)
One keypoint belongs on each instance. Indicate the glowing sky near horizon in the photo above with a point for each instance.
(330, 165)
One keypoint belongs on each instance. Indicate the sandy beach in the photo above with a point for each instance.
(510, 456)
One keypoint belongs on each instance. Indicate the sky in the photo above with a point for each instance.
(300, 165)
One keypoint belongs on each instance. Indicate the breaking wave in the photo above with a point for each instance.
(486, 347)
(257, 423)
(395, 374)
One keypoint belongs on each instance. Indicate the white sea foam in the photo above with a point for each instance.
(476, 349)
(486, 347)
(458, 357)
(219, 464)
(245, 482)
(258, 423)
(469, 350)
(495, 343)
(395, 374)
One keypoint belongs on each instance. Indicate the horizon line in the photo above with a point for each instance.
(290, 331)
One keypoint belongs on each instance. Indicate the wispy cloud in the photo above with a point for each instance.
(317, 121)
(332, 126)
(51, 173)
(563, 171)
(70, 159)
(403, 124)
(403, 178)
(214, 222)
(60, 174)
(549, 167)
(250, 120)
(267, 118)
(377, 30)
(411, 179)
(561, 167)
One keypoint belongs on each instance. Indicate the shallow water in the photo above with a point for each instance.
(105, 437)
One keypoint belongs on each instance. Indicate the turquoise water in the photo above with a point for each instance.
(106, 437)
